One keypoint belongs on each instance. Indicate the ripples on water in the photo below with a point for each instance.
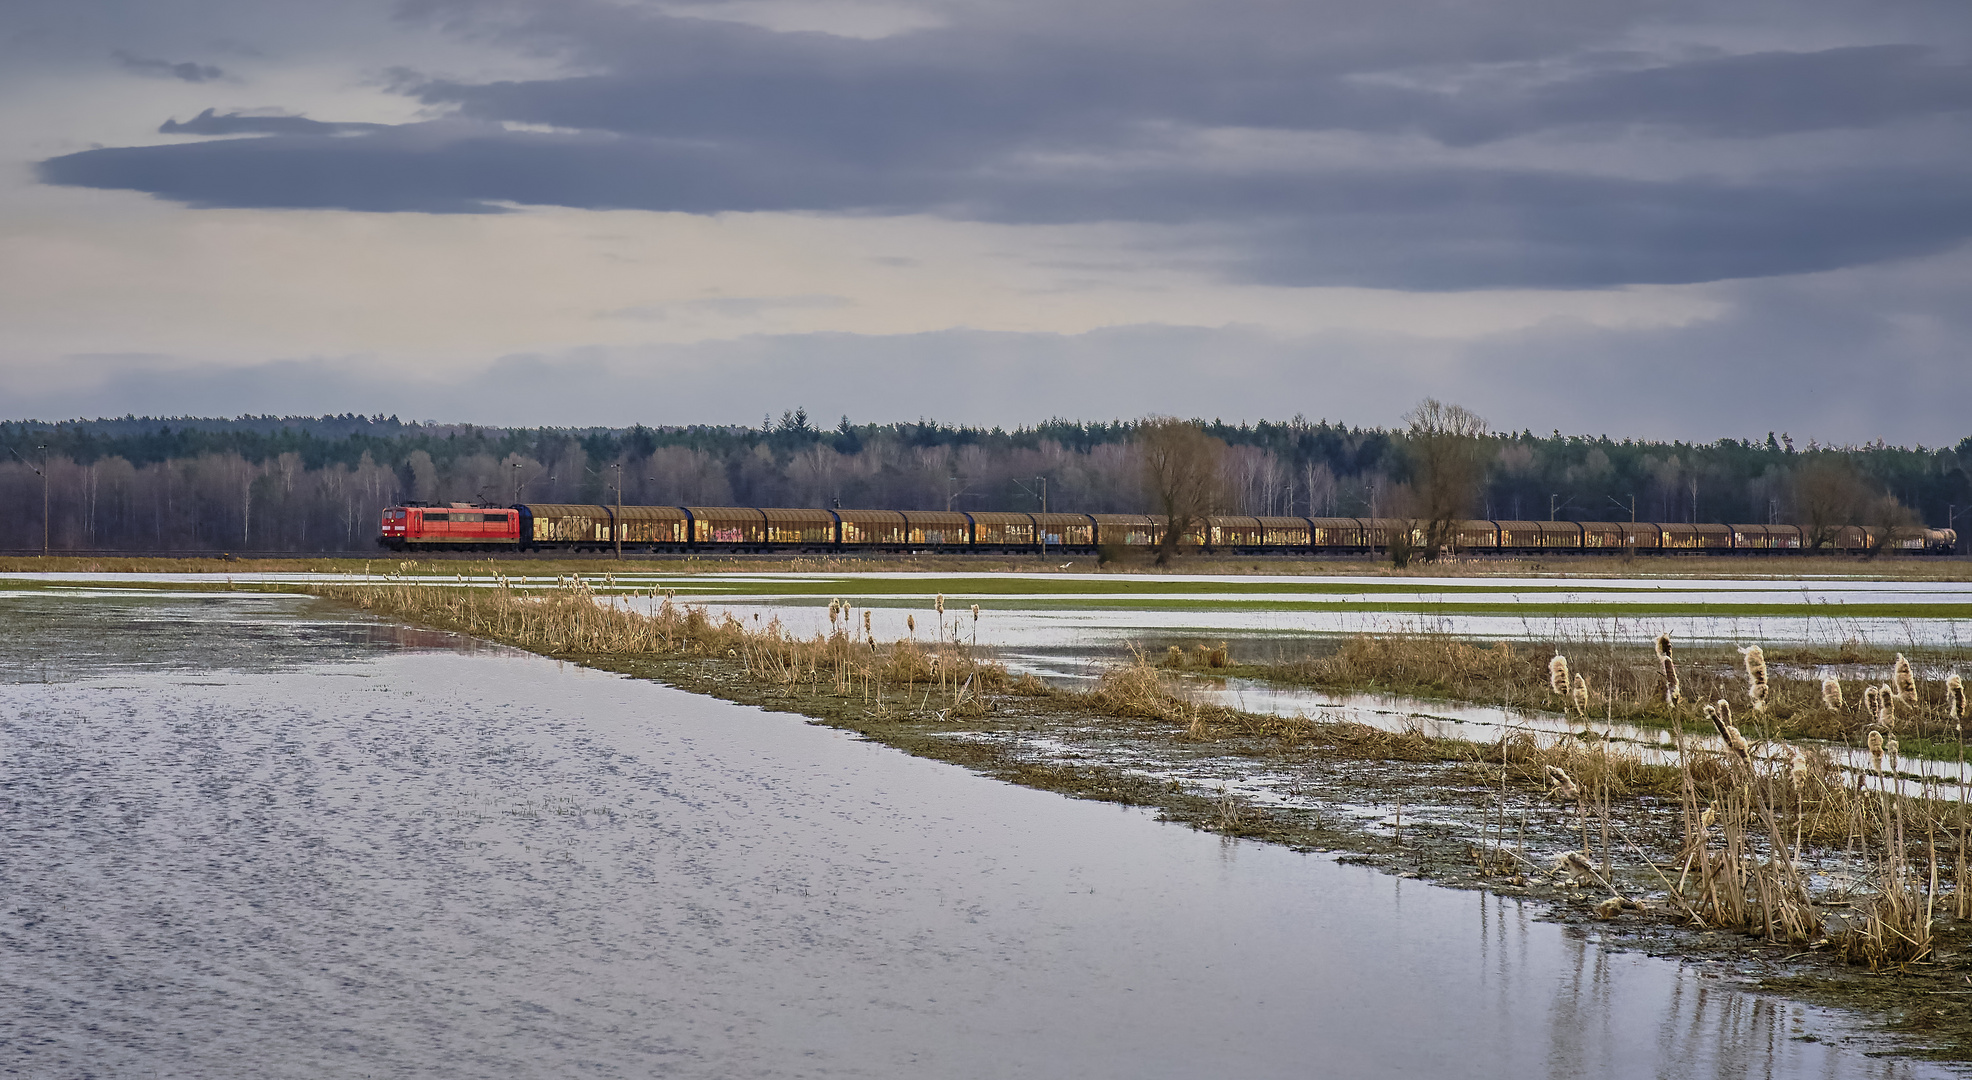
(244, 838)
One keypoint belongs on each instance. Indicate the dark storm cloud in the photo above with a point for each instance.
(1090, 113)
(1417, 228)
(165, 69)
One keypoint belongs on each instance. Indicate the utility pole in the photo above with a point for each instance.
(42, 472)
(1044, 493)
(516, 475)
(1552, 500)
(1619, 506)
(617, 526)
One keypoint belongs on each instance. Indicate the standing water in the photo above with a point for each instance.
(258, 837)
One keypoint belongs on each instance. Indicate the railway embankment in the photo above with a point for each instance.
(1754, 854)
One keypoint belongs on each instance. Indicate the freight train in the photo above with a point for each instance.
(728, 529)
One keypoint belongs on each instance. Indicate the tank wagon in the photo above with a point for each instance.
(681, 529)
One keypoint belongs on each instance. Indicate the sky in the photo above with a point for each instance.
(1655, 220)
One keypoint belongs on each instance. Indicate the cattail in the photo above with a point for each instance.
(1886, 707)
(1563, 786)
(911, 624)
(1557, 675)
(1756, 676)
(835, 612)
(1875, 751)
(1869, 701)
(1798, 770)
(1582, 696)
(938, 604)
(866, 621)
(1709, 818)
(1672, 693)
(975, 613)
(1906, 682)
(1890, 751)
(1955, 697)
(1831, 693)
(1739, 744)
(1756, 665)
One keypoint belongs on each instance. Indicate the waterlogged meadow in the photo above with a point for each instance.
(264, 835)
(1245, 673)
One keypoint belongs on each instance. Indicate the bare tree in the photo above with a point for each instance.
(1888, 522)
(1184, 470)
(1828, 495)
(1447, 465)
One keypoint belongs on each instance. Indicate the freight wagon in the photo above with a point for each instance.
(680, 529)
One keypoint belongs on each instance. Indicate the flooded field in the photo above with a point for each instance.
(254, 836)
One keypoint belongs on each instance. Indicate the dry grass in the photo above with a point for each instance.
(1781, 694)
(569, 620)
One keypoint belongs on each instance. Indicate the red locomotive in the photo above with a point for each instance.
(456, 525)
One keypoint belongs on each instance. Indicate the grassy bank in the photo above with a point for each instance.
(1616, 681)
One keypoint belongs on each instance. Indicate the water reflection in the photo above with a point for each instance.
(409, 861)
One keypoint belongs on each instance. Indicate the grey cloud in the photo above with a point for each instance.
(165, 69)
(1744, 96)
(211, 122)
(1700, 382)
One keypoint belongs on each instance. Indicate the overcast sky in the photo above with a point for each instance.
(1661, 220)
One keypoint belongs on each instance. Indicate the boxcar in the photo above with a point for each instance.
(565, 525)
(730, 526)
(871, 528)
(1133, 530)
(1000, 530)
(1229, 531)
(800, 528)
(1345, 533)
(937, 528)
(1073, 531)
(1643, 535)
(1602, 536)
(1291, 533)
(1379, 532)
(1750, 537)
(652, 526)
(1475, 535)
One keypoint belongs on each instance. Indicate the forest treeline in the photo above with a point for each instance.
(318, 483)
